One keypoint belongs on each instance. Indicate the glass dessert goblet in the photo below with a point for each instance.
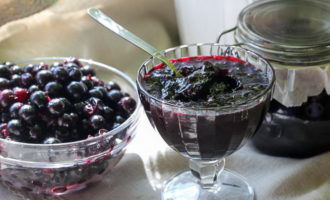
(208, 129)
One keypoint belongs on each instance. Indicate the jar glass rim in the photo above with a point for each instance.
(278, 31)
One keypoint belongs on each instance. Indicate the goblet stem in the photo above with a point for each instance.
(206, 171)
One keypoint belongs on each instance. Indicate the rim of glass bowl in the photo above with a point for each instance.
(225, 108)
(91, 139)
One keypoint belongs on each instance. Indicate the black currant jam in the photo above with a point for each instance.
(200, 114)
(300, 131)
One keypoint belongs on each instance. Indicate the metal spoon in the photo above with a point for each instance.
(106, 21)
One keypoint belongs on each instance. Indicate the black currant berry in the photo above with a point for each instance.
(57, 106)
(53, 89)
(114, 96)
(4, 83)
(16, 70)
(43, 77)
(13, 110)
(15, 80)
(97, 122)
(77, 89)
(60, 74)
(39, 99)
(7, 97)
(112, 86)
(27, 113)
(27, 80)
(75, 74)
(15, 129)
(5, 72)
(127, 104)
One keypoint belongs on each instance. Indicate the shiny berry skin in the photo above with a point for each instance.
(71, 65)
(36, 133)
(14, 108)
(5, 72)
(21, 94)
(97, 82)
(53, 88)
(36, 103)
(27, 113)
(88, 82)
(114, 96)
(97, 104)
(28, 68)
(57, 106)
(33, 88)
(77, 89)
(15, 80)
(27, 79)
(75, 74)
(119, 119)
(15, 129)
(43, 77)
(56, 64)
(102, 89)
(38, 68)
(4, 83)
(97, 122)
(73, 60)
(9, 64)
(87, 70)
(127, 104)
(108, 113)
(16, 70)
(112, 86)
(96, 93)
(67, 120)
(52, 140)
(39, 99)
(60, 74)
(7, 97)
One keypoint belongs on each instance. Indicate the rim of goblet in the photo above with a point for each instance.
(86, 141)
(218, 108)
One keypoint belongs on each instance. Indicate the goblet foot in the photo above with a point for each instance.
(229, 186)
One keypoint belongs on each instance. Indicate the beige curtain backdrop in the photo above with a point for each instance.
(64, 29)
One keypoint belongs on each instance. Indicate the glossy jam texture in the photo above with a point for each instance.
(206, 81)
(205, 133)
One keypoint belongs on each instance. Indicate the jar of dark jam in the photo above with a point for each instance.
(294, 36)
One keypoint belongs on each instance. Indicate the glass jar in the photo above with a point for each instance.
(294, 36)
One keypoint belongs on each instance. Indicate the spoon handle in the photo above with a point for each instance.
(106, 21)
(109, 23)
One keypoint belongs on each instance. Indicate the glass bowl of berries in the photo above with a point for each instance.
(64, 122)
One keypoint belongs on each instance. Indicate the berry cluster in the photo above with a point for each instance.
(63, 102)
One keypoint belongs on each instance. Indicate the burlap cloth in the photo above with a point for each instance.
(64, 29)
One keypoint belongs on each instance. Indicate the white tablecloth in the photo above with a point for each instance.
(65, 30)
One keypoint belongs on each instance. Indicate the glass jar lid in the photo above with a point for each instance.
(295, 32)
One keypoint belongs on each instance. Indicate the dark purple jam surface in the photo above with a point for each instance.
(206, 81)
